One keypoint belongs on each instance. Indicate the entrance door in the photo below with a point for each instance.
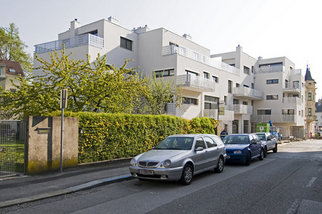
(235, 126)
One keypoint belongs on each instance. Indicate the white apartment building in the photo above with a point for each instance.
(233, 87)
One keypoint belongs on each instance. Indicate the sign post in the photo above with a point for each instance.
(63, 104)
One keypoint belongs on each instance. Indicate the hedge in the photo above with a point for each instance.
(105, 136)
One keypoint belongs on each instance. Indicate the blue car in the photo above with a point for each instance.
(243, 148)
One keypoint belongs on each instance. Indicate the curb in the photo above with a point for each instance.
(68, 190)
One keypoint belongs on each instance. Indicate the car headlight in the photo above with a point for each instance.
(134, 162)
(165, 164)
(237, 152)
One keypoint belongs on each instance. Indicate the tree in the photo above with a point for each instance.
(92, 87)
(161, 92)
(12, 48)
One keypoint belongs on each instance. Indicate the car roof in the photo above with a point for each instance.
(190, 135)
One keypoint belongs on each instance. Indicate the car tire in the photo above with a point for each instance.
(275, 149)
(220, 165)
(187, 174)
(265, 152)
(261, 155)
(248, 159)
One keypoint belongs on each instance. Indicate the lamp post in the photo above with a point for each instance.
(63, 105)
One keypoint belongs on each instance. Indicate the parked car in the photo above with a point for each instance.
(243, 148)
(180, 157)
(269, 142)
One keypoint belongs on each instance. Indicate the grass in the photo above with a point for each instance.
(12, 156)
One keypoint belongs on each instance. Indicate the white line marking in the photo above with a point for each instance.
(311, 182)
(294, 207)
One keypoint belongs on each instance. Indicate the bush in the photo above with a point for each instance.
(105, 136)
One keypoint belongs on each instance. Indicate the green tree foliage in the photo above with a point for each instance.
(12, 48)
(91, 86)
(161, 92)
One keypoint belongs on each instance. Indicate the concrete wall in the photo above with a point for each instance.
(43, 144)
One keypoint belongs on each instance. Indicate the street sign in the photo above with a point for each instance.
(63, 98)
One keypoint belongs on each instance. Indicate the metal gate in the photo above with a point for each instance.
(12, 143)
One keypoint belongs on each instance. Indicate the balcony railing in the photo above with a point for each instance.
(243, 109)
(77, 41)
(274, 118)
(248, 93)
(292, 88)
(171, 49)
(293, 100)
(212, 113)
(195, 83)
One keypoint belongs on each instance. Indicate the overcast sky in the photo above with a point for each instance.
(267, 28)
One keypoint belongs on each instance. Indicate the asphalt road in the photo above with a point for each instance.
(289, 181)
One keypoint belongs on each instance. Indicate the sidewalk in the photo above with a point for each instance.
(22, 189)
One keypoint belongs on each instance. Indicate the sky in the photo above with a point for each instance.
(267, 28)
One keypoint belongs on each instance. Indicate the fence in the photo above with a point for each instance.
(12, 142)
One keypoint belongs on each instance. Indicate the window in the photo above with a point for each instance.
(196, 56)
(211, 102)
(271, 97)
(309, 96)
(252, 69)
(225, 100)
(286, 83)
(253, 86)
(188, 100)
(296, 84)
(245, 103)
(287, 111)
(11, 70)
(126, 43)
(246, 86)
(214, 78)
(173, 44)
(164, 73)
(191, 73)
(235, 101)
(210, 143)
(264, 112)
(200, 143)
(2, 71)
(232, 65)
(206, 75)
(309, 113)
(230, 84)
(246, 70)
(246, 126)
(237, 85)
(272, 81)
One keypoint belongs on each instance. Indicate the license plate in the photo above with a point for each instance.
(146, 172)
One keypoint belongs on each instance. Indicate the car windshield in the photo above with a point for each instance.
(261, 136)
(236, 139)
(176, 143)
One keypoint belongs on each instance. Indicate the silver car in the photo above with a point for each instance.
(180, 157)
(268, 142)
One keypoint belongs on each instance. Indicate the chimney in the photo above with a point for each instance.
(74, 24)
(141, 29)
(113, 20)
(187, 36)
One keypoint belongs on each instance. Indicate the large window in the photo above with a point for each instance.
(206, 75)
(214, 78)
(272, 81)
(126, 43)
(189, 100)
(246, 70)
(264, 112)
(271, 97)
(230, 84)
(211, 102)
(309, 113)
(164, 73)
(288, 111)
(191, 73)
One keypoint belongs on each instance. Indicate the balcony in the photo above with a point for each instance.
(77, 41)
(248, 93)
(212, 113)
(171, 49)
(292, 100)
(292, 88)
(274, 118)
(243, 109)
(194, 83)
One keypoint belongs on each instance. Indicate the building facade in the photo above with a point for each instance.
(9, 71)
(310, 91)
(233, 87)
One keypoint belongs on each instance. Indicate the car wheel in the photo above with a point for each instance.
(261, 155)
(220, 165)
(265, 152)
(248, 159)
(187, 174)
(275, 149)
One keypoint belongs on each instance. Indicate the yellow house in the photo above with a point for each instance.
(9, 70)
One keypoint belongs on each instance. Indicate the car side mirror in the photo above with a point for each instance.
(198, 149)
